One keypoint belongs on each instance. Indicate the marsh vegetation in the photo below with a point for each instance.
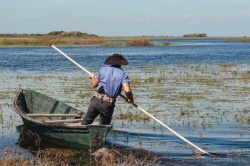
(196, 97)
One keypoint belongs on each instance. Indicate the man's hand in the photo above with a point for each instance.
(94, 81)
(129, 101)
(91, 76)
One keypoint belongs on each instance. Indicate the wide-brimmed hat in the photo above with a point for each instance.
(116, 59)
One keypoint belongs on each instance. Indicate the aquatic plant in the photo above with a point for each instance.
(139, 42)
(132, 116)
(115, 156)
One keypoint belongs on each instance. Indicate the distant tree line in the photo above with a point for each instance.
(70, 34)
(53, 33)
(18, 34)
(195, 35)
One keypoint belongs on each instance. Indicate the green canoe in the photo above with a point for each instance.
(58, 122)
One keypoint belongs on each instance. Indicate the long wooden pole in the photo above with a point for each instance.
(135, 105)
(66, 56)
(171, 130)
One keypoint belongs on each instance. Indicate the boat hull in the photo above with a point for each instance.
(70, 135)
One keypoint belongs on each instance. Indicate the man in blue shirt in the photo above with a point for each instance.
(109, 82)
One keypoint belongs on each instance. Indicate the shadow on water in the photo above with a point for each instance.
(41, 148)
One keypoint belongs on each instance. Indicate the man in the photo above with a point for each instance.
(109, 82)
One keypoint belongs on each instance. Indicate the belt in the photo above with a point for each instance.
(103, 97)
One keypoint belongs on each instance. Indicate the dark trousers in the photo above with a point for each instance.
(96, 107)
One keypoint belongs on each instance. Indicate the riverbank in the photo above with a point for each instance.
(47, 40)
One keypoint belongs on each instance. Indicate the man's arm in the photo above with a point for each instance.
(128, 92)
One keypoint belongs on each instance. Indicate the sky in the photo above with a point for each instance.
(127, 17)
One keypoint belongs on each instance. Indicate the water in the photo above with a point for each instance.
(46, 59)
(216, 119)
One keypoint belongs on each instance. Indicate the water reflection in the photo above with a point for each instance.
(41, 148)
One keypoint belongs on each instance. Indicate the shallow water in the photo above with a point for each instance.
(198, 88)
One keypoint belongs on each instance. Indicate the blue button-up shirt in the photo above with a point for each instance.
(111, 79)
